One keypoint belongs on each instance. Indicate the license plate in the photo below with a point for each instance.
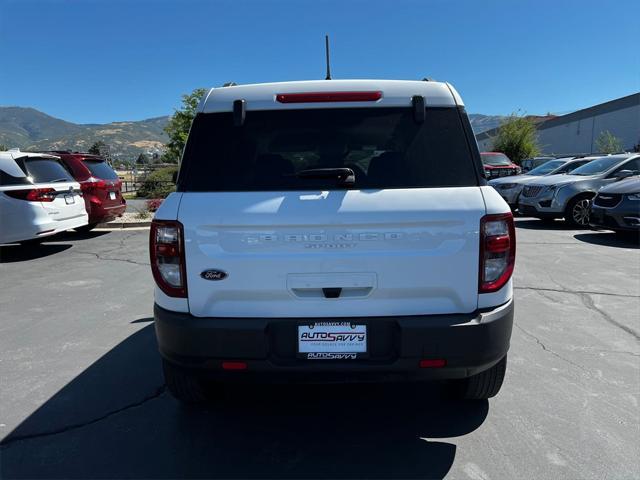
(112, 195)
(332, 341)
(69, 199)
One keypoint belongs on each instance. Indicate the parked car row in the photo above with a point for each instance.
(584, 191)
(511, 187)
(42, 194)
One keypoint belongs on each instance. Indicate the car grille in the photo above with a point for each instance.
(501, 172)
(607, 200)
(531, 190)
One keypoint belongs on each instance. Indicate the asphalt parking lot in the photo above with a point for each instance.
(82, 394)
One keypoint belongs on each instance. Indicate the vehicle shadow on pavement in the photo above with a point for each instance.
(609, 239)
(537, 224)
(115, 420)
(23, 253)
(73, 235)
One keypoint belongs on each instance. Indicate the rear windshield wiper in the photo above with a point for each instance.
(59, 180)
(344, 175)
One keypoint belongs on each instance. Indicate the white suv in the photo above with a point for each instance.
(333, 230)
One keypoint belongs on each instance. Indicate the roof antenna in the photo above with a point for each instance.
(326, 46)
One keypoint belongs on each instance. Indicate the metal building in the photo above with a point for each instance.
(578, 132)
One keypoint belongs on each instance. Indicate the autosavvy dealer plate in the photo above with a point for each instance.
(332, 341)
(112, 195)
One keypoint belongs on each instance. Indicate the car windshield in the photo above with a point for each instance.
(546, 167)
(46, 170)
(310, 149)
(597, 166)
(100, 169)
(495, 159)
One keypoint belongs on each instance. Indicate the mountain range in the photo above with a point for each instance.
(30, 129)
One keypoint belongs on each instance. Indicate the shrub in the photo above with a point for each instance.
(517, 138)
(608, 143)
(158, 184)
(154, 204)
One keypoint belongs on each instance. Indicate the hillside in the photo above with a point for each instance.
(30, 129)
(481, 123)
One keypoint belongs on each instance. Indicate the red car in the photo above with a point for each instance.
(497, 164)
(100, 186)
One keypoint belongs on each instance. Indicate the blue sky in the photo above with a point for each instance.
(98, 61)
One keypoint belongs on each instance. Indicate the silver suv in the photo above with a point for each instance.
(569, 196)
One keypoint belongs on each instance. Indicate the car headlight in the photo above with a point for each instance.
(634, 196)
(507, 186)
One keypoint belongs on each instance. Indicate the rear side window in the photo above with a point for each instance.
(6, 179)
(46, 170)
(385, 148)
(100, 169)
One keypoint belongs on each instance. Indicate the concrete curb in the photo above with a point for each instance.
(124, 224)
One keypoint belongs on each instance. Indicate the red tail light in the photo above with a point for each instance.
(315, 97)
(228, 365)
(33, 194)
(166, 248)
(497, 251)
(433, 363)
(91, 183)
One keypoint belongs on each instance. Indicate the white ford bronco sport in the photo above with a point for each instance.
(329, 231)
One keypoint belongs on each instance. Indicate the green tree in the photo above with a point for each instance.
(179, 124)
(3, 147)
(608, 143)
(517, 138)
(95, 148)
(158, 184)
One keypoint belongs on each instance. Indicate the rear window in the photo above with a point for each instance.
(100, 169)
(385, 148)
(495, 159)
(46, 170)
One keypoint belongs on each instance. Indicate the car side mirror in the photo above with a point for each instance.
(174, 177)
(622, 174)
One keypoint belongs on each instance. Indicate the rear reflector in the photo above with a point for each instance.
(234, 365)
(319, 97)
(433, 363)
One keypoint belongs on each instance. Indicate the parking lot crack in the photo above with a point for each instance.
(112, 259)
(547, 349)
(590, 304)
(575, 292)
(20, 438)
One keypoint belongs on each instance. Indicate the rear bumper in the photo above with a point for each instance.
(470, 343)
(100, 213)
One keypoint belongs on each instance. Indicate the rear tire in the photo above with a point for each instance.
(86, 228)
(484, 385)
(185, 386)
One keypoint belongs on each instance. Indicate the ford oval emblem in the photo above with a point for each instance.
(213, 275)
